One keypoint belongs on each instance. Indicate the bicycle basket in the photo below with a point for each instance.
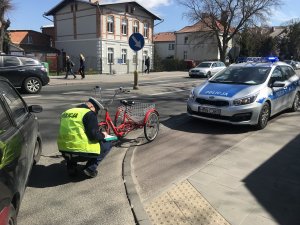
(137, 111)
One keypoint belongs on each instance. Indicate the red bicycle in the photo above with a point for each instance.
(130, 115)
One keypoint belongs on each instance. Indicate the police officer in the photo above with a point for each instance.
(79, 135)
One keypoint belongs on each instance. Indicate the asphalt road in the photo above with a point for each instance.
(182, 146)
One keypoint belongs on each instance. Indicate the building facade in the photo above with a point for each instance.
(34, 44)
(164, 44)
(101, 33)
(195, 43)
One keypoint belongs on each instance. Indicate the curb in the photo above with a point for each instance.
(137, 208)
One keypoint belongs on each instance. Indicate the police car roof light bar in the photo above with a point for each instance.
(271, 59)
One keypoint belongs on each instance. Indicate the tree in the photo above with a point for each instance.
(5, 5)
(256, 41)
(290, 44)
(225, 18)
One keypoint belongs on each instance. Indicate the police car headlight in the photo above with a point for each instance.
(245, 101)
(192, 94)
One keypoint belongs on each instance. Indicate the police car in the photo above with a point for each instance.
(246, 93)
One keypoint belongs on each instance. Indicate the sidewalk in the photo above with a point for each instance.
(255, 182)
(59, 80)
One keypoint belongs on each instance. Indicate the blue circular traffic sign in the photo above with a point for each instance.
(136, 41)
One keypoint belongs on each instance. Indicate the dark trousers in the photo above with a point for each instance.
(147, 69)
(70, 71)
(93, 160)
(81, 71)
(93, 163)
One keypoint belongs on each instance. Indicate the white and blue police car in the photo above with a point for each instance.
(246, 93)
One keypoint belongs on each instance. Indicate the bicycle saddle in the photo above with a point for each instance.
(127, 102)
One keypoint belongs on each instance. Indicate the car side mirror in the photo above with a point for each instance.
(278, 84)
(35, 108)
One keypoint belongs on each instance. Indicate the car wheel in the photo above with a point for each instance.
(263, 116)
(32, 85)
(295, 105)
(37, 151)
(12, 220)
(208, 75)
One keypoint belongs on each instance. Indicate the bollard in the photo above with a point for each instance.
(135, 85)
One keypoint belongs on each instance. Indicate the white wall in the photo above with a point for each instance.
(163, 51)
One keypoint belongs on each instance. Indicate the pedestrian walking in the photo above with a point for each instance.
(69, 65)
(147, 64)
(81, 66)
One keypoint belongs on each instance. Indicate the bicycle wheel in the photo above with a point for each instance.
(151, 126)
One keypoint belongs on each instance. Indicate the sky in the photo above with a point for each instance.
(28, 14)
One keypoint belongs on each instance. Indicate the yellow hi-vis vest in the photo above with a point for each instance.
(72, 137)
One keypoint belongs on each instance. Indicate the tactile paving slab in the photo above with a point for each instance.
(183, 204)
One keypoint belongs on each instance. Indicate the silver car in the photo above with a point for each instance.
(246, 93)
(207, 69)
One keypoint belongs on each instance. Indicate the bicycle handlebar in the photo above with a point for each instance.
(119, 90)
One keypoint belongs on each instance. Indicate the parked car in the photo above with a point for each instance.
(24, 72)
(207, 69)
(246, 93)
(297, 65)
(292, 63)
(20, 148)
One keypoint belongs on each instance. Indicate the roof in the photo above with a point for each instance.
(38, 48)
(164, 37)
(63, 3)
(201, 26)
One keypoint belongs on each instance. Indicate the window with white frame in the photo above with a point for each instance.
(135, 26)
(171, 46)
(110, 24)
(110, 55)
(124, 56)
(185, 55)
(146, 30)
(124, 26)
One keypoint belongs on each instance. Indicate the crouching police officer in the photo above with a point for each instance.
(79, 138)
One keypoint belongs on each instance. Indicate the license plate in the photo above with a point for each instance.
(209, 110)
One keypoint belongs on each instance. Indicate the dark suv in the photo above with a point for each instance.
(20, 148)
(23, 72)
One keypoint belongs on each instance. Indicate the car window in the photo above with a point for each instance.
(278, 75)
(4, 120)
(242, 75)
(214, 65)
(288, 71)
(9, 61)
(204, 65)
(15, 103)
(29, 61)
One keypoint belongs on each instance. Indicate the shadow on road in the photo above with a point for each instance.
(185, 123)
(276, 184)
(43, 176)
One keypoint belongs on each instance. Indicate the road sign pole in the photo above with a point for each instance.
(135, 85)
(136, 43)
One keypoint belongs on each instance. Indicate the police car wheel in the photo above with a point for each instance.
(263, 116)
(295, 105)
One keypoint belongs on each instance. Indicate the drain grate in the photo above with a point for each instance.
(183, 205)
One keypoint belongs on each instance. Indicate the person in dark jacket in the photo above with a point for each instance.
(79, 135)
(147, 64)
(81, 70)
(69, 65)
